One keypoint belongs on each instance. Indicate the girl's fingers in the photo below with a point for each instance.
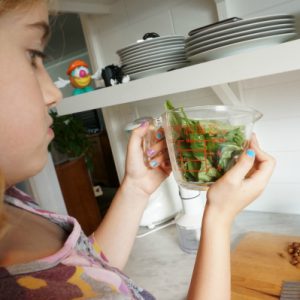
(157, 148)
(244, 164)
(166, 169)
(264, 169)
(159, 135)
(254, 141)
(260, 154)
(136, 137)
(264, 164)
(160, 160)
(135, 154)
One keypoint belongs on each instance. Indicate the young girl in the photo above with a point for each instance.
(46, 256)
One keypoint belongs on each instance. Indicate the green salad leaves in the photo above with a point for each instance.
(204, 149)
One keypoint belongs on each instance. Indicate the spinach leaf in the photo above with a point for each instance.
(205, 149)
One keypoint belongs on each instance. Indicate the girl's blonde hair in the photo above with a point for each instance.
(6, 5)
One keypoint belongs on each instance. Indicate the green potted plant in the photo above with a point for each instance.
(70, 141)
(71, 152)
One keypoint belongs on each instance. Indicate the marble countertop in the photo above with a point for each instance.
(159, 265)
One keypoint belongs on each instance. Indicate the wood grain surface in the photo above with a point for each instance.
(260, 263)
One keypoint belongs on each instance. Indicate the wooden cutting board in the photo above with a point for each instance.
(259, 264)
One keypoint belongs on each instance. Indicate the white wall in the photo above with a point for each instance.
(257, 8)
(252, 8)
(131, 19)
(276, 97)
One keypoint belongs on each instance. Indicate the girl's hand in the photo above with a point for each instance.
(243, 183)
(146, 178)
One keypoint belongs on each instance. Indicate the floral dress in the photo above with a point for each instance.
(79, 270)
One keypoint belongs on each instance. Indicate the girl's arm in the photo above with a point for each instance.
(211, 275)
(211, 278)
(117, 231)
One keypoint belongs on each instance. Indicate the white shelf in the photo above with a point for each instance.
(256, 63)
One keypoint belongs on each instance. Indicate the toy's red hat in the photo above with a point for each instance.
(75, 64)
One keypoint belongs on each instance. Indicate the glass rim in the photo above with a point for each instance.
(220, 108)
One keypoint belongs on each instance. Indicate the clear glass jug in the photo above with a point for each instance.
(204, 142)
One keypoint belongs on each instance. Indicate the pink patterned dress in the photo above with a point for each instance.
(79, 270)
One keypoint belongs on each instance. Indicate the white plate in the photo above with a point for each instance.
(265, 25)
(154, 59)
(239, 23)
(153, 55)
(236, 36)
(165, 65)
(157, 70)
(157, 47)
(147, 67)
(153, 65)
(239, 39)
(156, 51)
(243, 46)
(150, 42)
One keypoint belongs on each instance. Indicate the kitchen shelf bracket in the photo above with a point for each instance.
(226, 94)
(222, 10)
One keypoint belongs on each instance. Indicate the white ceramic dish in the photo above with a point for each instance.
(154, 51)
(239, 39)
(157, 70)
(154, 55)
(233, 37)
(161, 46)
(153, 65)
(154, 60)
(214, 24)
(242, 46)
(150, 42)
(249, 28)
(239, 23)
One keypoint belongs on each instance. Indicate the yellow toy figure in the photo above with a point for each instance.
(79, 77)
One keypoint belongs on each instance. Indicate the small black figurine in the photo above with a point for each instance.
(113, 75)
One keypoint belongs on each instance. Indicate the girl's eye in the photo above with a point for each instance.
(34, 55)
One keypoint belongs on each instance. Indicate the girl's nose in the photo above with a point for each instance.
(82, 73)
(52, 95)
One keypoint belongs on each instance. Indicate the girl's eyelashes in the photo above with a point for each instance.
(35, 54)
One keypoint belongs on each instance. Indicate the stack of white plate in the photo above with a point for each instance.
(153, 56)
(234, 37)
